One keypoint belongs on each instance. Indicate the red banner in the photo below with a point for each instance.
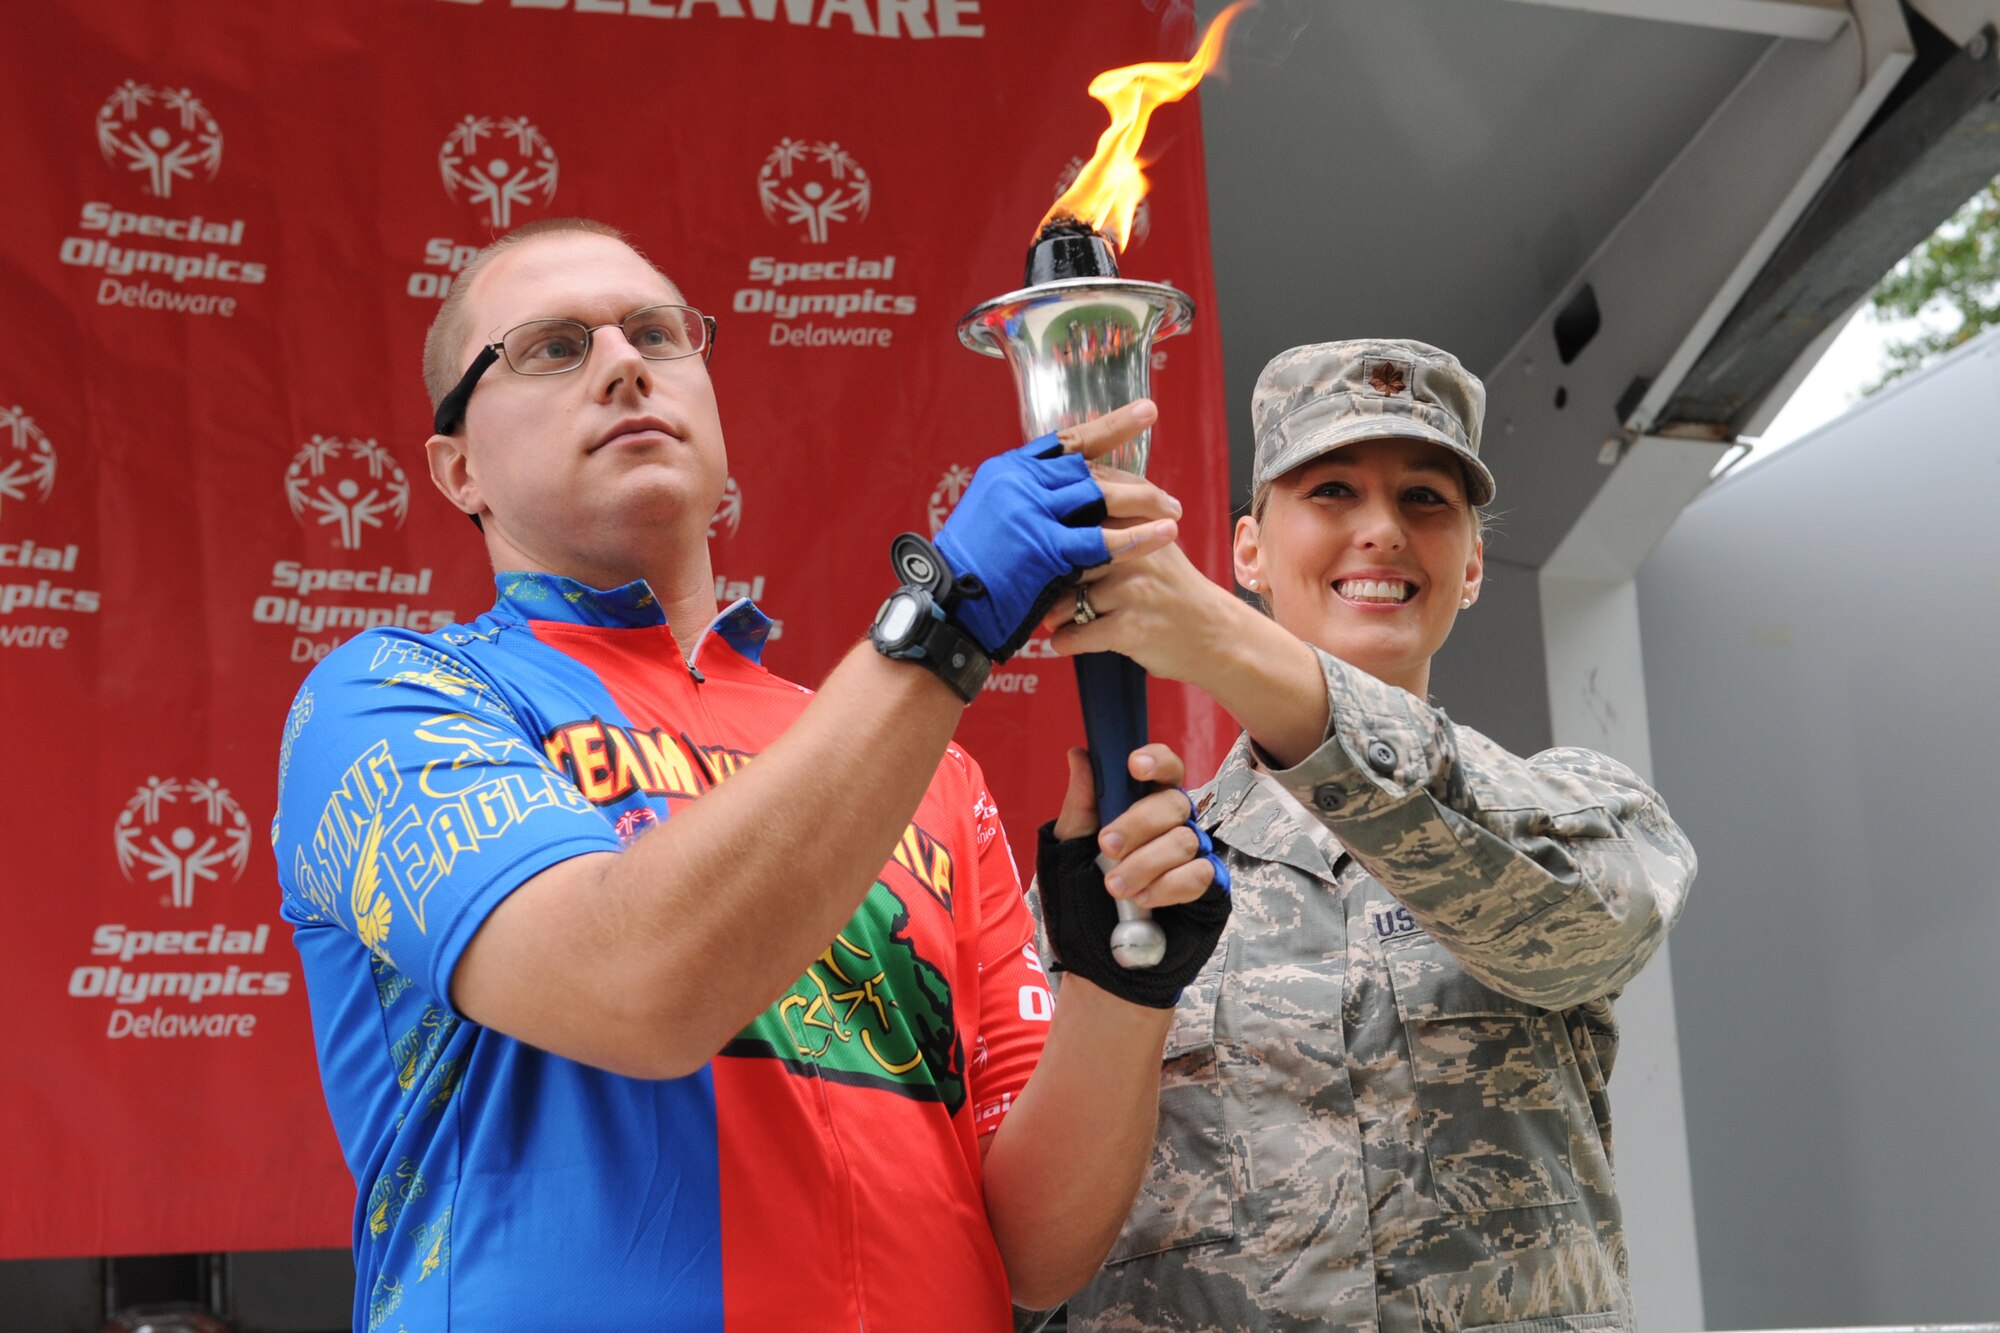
(228, 229)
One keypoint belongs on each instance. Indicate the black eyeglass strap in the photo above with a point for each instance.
(451, 408)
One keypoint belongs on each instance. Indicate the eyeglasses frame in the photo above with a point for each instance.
(450, 414)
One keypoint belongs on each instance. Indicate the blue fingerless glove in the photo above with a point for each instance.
(1026, 527)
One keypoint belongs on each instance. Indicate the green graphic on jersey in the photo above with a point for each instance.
(870, 1011)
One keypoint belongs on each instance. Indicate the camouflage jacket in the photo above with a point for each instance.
(1383, 1105)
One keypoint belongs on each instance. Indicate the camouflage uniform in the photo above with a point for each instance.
(1383, 1105)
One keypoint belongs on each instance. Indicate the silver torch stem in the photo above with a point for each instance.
(1079, 340)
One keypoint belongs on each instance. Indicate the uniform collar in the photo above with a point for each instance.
(1246, 814)
(533, 595)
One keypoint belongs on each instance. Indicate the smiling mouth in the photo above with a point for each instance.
(1375, 592)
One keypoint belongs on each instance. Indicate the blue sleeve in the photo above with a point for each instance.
(412, 799)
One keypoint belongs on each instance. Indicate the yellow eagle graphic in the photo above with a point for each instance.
(371, 905)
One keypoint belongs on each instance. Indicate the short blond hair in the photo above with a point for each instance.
(445, 343)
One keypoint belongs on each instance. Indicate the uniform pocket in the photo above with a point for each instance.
(1493, 1100)
(1188, 1196)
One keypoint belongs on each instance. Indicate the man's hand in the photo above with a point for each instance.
(1027, 526)
(1164, 861)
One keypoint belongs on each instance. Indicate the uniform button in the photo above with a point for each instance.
(1329, 798)
(1381, 758)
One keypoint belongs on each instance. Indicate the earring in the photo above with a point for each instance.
(1465, 603)
(1251, 584)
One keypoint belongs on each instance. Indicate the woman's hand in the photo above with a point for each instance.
(1158, 856)
(1155, 608)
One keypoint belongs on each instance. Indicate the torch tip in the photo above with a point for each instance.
(1065, 224)
(1068, 247)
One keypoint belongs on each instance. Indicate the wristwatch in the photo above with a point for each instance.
(912, 625)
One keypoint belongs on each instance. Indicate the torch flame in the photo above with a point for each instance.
(1107, 191)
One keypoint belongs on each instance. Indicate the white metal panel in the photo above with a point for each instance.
(1597, 699)
(1883, 52)
(1821, 629)
(1808, 20)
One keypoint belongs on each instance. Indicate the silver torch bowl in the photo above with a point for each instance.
(1080, 347)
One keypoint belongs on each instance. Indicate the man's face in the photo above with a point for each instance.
(599, 472)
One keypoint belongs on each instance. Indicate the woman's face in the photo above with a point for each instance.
(1366, 552)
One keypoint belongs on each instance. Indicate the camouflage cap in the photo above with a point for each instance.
(1312, 400)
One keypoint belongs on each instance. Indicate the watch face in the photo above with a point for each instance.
(899, 617)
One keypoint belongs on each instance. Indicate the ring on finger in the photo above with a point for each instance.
(1085, 612)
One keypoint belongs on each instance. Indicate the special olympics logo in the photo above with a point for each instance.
(634, 822)
(815, 184)
(1142, 217)
(351, 485)
(499, 163)
(729, 514)
(950, 489)
(27, 460)
(164, 133)
(187, 843)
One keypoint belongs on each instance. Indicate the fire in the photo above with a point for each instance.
(1108, 189)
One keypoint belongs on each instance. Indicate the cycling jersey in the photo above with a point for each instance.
(821, 1171)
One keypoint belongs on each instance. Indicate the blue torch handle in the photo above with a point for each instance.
(1113, 688)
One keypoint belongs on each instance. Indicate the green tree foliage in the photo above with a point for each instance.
(1956, 270)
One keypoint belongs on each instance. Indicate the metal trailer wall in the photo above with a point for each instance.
(1822, 637)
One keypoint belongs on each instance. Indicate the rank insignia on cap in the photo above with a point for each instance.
(1387, 378)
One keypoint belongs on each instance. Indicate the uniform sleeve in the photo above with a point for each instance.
(411, 800)
(1014, 1000)
(1551, 879)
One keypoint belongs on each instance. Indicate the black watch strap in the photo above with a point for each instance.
(932, 641)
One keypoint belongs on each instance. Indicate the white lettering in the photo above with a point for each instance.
(45, 596)
(120, 941)
(854, 268)
(34, 636)
(866, 18)
(385, 579)
(814, 335)
(1011, 682)
(117, 260)
(114, 982)
(855, 11)
(905, 11)
(952, 15)
(314, 618)
(27, 555)
(195, 230)
(145, 296)
(160, 1023)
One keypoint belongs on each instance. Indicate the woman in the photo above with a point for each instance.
(1384, 1101)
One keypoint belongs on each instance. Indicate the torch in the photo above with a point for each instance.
(1079, 340)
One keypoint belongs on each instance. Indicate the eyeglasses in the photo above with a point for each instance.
(556, 346)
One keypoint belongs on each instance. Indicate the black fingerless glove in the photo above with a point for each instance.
(1079, 916)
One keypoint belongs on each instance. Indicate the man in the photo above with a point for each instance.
(602, 1055)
